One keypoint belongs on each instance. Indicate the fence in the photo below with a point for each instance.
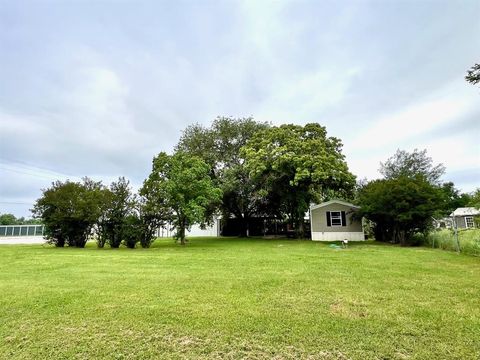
(21, 230)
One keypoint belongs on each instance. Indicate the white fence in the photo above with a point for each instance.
(21, 230)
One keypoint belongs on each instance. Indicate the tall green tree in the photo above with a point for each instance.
(219, 146)
(400, 206)
(452, 199)
(184, 184)
(69, 210)
(153, 210)
(411, 164)
(297, 165)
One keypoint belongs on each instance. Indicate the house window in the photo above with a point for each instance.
(469, 222)
(336, 218)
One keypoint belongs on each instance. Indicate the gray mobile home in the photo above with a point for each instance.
(333, 220)
(465, 217)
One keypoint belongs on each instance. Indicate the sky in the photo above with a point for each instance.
(97, 88)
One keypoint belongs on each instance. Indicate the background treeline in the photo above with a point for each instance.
(244, 169)
(10, 219)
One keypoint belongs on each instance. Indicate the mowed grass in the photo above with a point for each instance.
(236, 298)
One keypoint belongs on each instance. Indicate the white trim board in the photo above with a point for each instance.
(313, 207)
(338, 236)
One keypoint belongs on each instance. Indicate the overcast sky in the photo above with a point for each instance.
(98, 88)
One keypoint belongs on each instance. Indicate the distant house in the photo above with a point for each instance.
(334, 220)
(465, 217)
(195, 231)
(444, 223)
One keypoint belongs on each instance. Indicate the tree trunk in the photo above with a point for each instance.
(181, 232)
(244, 226)
(301, 228)
(402, 238)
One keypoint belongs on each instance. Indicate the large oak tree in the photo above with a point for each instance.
(297, 165)
(219, 146)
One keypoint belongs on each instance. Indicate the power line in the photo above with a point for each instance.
(38, 171)
(15, 203)
(27, 173)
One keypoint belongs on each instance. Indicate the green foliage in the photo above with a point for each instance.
(474, 199)
(69, 210)
(120, 203)
(131, 230)
(412, 164)
(8, 219)
(153, 213)
(399, 207)
(295, 166)
(183, 183)
(473, 74)
(452, 199)
(219, 146)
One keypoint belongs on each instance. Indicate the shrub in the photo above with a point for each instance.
(399, 207)
(69, 210)
(131, 231)
(119, 205)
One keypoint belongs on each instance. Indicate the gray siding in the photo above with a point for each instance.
(319, 219)
(460, 220)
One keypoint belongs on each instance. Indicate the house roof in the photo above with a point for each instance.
(334, 202)
(466, 211)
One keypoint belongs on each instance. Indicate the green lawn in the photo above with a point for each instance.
(234, 298)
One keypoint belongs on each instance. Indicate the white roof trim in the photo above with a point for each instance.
(333, 202)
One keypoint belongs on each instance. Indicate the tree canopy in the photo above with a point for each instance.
(220, 147)
(399, 206)
(188, 192)
(119, 204)
(411, 164)
(69, 210)
(297, 165)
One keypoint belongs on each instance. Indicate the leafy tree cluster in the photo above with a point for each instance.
(69, 210)
(72, 212)
(219, 147)
(296, 165)
(265, 170)
(180, 187)
(408, 197)
(399, 207)
(244, 169)
(10, 219)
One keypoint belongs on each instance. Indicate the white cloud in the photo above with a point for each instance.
(412, 127)
(417, 119)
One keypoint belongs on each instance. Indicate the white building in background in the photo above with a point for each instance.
(195, 231)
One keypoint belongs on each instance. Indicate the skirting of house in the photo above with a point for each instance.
(337, 236)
